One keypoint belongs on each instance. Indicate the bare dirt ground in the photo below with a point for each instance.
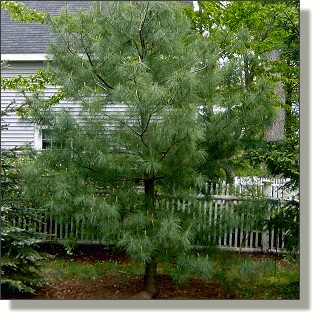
(112, 288)
(117, 287)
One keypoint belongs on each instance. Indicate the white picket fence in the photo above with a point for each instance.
(213, 205)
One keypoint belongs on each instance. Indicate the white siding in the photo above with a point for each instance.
(18, 132)
(25, 68)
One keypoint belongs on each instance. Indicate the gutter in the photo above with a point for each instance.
(24, 57)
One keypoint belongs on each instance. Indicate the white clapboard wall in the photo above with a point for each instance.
(19, 132)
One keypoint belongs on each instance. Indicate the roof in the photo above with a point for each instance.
(32, 38)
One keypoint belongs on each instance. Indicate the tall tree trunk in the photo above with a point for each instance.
(150, 276)
(230, 174)
(277, 130)
(149, 194)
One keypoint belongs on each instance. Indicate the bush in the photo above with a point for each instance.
(19, 257)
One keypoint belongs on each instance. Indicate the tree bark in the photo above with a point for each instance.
(150, 276)
(149, 194)
(230, 174)
(277, 130)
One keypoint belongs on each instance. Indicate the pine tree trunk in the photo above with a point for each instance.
(230, 173)
(149, 194)
(150, 276)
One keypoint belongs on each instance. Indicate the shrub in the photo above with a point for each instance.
(19, 256)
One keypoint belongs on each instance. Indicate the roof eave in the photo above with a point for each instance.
(24, 57)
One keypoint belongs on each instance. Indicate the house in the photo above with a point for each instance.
(23, 46)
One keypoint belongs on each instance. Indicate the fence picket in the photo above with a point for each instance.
(215, 222)
(210, 220)
(60, 229)
(82, 230)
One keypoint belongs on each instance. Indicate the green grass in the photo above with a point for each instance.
(60, 269)
(254, 278)
(257, 278)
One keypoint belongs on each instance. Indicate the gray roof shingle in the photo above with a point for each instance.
(32, 38)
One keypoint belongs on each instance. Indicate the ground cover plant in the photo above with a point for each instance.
(93, 272)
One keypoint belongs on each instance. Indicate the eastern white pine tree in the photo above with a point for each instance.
(140, 75)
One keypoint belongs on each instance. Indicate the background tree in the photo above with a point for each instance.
(268, 26)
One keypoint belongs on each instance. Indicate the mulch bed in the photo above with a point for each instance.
(116, 287)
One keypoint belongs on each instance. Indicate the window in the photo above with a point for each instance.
(47, 140)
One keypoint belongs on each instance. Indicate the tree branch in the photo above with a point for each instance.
(142, 40)
(91, 62)
(235, 118)
(122, 122)
(93, 67)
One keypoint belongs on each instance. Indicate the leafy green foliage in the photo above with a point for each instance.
(34, 85)
(19, 11)
(282, 159)
(31, 87)
(252, 29)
